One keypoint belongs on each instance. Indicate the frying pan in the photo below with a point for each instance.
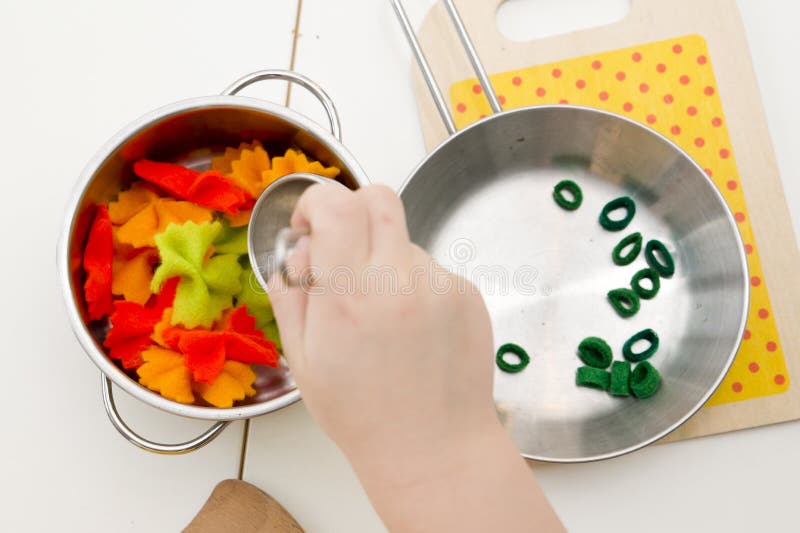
(481, 205)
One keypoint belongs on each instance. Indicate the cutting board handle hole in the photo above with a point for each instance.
(527, 20)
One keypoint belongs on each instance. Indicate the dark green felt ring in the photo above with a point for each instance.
(594, 378)
(624, 301)
(595, 352)
(645, 380)
(517, 350)
(623, 202)
(634, 240)
(620, 378)
(655, 279)
(647, 335)
(665, 269)
(571, 187)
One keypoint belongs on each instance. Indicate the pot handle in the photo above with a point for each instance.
(155, 447)
(299, 79)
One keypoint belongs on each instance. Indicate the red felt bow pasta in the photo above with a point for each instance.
(132, 325)
(209, 189)
(236, 339)
(97, 258)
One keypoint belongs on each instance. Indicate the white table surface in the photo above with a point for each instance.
(75, 72)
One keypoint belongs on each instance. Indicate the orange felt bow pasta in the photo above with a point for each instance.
(132, 326)
(141, 214)
(244, 166)
(295, 161)
(236, 338)
(208, 189)
(133, 272)
(164, 371)
(97, 257)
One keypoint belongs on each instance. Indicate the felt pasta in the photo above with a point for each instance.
(644, 292)
(207, 284)
(133, 273)
(235, 382)
(569, 186)
(236, 338)
(594, 378)
(624, 301)
(208, 189)
(140, 213)
(665, 266)
(231, 241)
(244, 166)
(647, 335)
(623, 202)
(163, 371)
(620, 379)
(645, 380)
(132, 325)
(515, 349)
(97, 260)
(255, 298)
(633, 244)
(595, 352)
(296, 161)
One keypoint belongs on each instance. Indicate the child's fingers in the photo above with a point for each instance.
(339, 226)
(387, 219)
(289, 301)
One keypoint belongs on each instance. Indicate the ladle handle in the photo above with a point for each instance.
(427, 73)
(150, 446)
(292, 77)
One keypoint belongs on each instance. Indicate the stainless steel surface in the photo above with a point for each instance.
(427, 74)
(292, 77)
(477, 66)
(183, 132)
(148, 445)
(269, 237)
(481, 203)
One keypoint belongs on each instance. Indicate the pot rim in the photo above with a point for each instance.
(99, 357)
(731, 223)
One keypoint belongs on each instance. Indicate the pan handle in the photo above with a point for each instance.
(150, 446)
(480, 72)
(292, 77)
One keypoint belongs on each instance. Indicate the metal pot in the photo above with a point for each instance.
(180, 132)
(482, 199)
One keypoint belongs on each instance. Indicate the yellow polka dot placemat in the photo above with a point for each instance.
(670, 86)
(683, 69)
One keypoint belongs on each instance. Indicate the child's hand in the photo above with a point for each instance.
(393, 354)
(394, 358)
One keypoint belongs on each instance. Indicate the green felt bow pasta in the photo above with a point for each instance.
(207, 286)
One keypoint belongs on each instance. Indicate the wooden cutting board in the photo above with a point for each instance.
(682, 68)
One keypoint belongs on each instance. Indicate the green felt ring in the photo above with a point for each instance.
(665, 269)
(636, 283)
(595, 352)
(624, 301)
(594, 378)
(623, 202)
(645, 380)
(517, 350)
(620, 378)
(645, 335)
(571, 187)
(635, 241)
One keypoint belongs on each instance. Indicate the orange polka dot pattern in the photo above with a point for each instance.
(670, 87)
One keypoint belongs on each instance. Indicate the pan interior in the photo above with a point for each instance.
(482, 205)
